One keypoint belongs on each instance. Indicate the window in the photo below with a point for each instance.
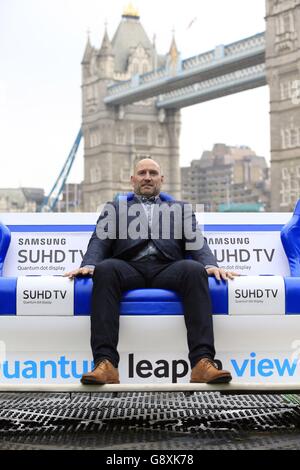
(287, 22)
(161, 140)
(287, 138)
(283, 141)
(294, 137)
(91, 92)
(285, 173)
(95, 174)
(95, 138)
(295, 186)
(141, 135)
(285, 197)
(145, 67)
(284, 90)
(120, 137)
(125, 174)
(135, 68)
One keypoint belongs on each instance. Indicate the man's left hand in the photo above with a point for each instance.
(220, 273)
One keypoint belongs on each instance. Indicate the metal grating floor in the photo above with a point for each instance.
(207, 420)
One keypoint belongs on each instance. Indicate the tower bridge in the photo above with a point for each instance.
(132, 98)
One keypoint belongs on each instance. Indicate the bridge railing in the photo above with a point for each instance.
(197, 60)
(235, 48)
(154, 75)
(245, 44)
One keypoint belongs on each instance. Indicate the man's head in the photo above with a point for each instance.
(147, 178)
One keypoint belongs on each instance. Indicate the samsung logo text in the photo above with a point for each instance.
(255, 293)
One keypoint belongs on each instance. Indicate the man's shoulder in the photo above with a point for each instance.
(176, 201)
(105, 208)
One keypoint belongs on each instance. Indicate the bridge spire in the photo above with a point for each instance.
(173, 52)
(106, 48)
(88, 50)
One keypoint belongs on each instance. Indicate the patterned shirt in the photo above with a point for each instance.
(150, 249)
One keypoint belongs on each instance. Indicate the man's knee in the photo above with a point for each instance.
(106, 268)
(193, 268)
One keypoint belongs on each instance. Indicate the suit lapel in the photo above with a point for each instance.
(139, 212)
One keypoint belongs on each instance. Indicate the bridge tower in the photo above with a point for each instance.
(116, 137)
(283, 76)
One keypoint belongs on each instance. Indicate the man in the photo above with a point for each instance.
(121, 262)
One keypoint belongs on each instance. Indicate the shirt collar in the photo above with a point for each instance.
(147, 200)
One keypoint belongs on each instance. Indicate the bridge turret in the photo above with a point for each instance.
(106, 58)
(87, 52)
(86, 60)
(173, 57)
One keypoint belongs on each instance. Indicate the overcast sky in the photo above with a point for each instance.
(41, 47)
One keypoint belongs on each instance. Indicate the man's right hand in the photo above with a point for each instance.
(85, 271)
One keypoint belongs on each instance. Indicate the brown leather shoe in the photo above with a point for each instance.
(206, 371)
(103, 373)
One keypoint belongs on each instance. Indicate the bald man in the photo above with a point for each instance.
(119, 263)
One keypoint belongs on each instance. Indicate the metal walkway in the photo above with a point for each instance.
(202, 420)
(231, 388)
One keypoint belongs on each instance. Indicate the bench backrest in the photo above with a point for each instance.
(251, 244)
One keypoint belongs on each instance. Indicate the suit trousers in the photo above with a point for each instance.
(114, 276)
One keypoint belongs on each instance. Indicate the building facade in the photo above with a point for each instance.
(115, 138)
(283, 74)
(71, 198)
(21, 199)
(227, 176)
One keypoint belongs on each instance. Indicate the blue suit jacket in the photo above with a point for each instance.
(119, 214)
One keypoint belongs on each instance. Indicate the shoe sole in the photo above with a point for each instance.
(225, 379)
(96, 382)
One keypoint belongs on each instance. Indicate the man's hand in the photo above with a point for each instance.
(220, 273)
(80, 272)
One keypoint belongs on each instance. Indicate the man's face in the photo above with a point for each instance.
(147, 179)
